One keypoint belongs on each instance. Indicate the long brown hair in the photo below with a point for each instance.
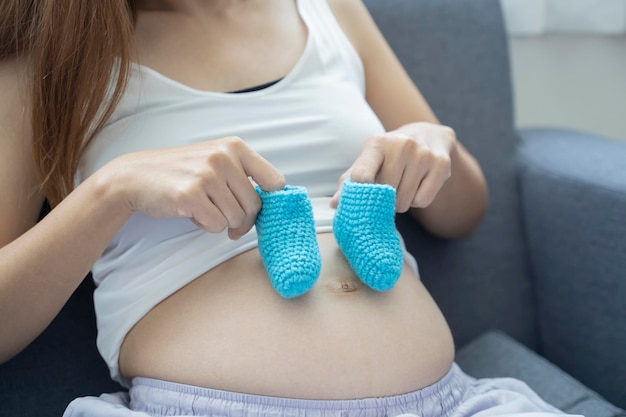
(73, 48)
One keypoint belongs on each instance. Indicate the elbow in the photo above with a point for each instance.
(459, 229)
(14, 341)
(8, 352)
(457, 222)
(473, 219)
(4, 357)
(467, 220)
(465, 228)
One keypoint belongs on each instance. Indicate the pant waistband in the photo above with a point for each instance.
(160, 398)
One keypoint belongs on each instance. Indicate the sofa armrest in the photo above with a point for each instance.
(574, 197)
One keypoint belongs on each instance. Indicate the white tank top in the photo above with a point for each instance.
(310, 125)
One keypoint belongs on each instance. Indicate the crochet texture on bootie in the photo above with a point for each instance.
(365, 230)
(288, 241)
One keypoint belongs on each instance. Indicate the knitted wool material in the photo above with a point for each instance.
(288, 240)
(365, 230)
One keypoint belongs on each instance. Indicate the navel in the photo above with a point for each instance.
(344, 286)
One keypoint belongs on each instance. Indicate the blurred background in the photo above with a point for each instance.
(569, 63)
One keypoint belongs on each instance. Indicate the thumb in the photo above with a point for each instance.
(367, 165)
(335, 200)
(262, 172)
(364, 169)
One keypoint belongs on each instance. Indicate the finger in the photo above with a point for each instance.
(249, 201)
(412, 177)
(223, 198)
(393, 167)
(238, 233)
(261, 171)
(410, 182)
(367, 165)
(208, 217)
(335, 200)
(430, 187)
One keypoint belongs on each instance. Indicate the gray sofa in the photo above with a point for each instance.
(538, 292)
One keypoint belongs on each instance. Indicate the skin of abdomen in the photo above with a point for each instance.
(230, 330)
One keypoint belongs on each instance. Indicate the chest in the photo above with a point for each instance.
(249, 46)
(311, 125)
(310, 130)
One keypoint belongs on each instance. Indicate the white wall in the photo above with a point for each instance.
(535, 17)
(568, 60)
(571, 81)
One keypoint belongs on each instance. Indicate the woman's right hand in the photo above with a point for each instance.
(206, 182)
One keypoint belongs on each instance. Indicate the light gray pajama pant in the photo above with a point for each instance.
(455, 395)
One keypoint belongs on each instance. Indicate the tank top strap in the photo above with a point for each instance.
(334, 48)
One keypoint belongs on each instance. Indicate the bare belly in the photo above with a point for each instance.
(229, 330)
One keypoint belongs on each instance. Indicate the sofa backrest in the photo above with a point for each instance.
(457, 54)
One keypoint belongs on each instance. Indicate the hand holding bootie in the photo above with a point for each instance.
(288, 241)
(365, 230)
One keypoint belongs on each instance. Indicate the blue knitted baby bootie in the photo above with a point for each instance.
(365, 230)
(288, 241)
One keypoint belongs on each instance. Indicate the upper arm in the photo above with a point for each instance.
(389, 90)
(20, 195)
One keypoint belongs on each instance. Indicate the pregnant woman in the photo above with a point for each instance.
(147, 125)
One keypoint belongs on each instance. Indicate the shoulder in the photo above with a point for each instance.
(14, 88)
(355, 20)
(22, 198)
(14, 69)
(344, 8)
(15, 109)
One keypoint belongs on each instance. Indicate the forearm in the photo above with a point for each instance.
(461, 202)
(40, 270)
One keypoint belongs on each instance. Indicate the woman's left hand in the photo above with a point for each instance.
(415, 160)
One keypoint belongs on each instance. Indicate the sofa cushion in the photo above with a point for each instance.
(495, 354)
